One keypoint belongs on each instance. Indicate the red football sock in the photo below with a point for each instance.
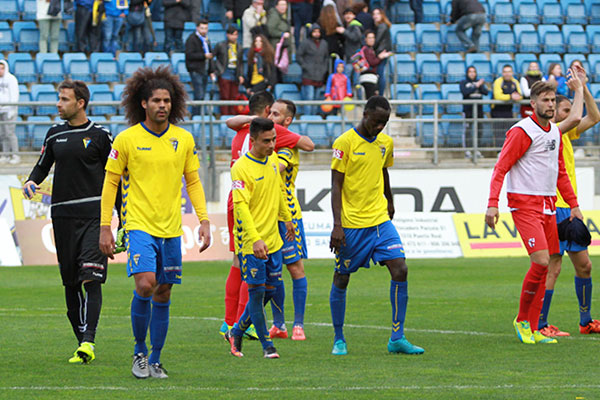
(536, 306)
(243, 299)
(533, 282)
(232, 290)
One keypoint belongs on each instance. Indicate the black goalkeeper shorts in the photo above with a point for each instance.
(78, 251)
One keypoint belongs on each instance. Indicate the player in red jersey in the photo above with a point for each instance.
(532, 159)
(236, 291)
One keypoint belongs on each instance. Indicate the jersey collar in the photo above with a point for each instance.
(256, 160)
(534, 118)
(154, 133)
(368, 140)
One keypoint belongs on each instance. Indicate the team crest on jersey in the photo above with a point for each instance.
(114, 154)
(531, 242)
(382, 148)
(339, 154)
(174, 142)
(86, 142)
(136, 258)
(253, 272)
(274, 167)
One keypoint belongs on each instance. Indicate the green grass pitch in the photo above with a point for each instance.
(459, 310)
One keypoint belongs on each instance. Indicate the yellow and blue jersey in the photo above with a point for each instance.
(291, 159)
(258, 203)
(362, 160)
(569, 163)
(151, 166)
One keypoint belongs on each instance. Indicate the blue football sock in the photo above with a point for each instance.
(583, 288)
(337, 303)
(299, 295)
(140, 319)
(545, 309)
(159, 325)
(277, 305)
(257, 314)
(245, 321)
(399, 299)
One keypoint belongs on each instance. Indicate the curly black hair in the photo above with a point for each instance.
(143, 83)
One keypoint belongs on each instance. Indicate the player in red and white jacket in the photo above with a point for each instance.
(532, 160)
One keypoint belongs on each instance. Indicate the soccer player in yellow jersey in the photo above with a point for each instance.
(149, 159)
(258, 203)
(282, 113)
(572, 125)
(363, 205)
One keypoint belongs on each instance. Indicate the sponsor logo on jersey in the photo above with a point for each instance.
(114, 154)
(61, 140)
(531, 242)
(550, 145)
(144, 148)
(237, 185)
(86, 142)
(339, 154)
(395, 246)
(359, 153)
(260, 179)
(174, 143)
(97, 274)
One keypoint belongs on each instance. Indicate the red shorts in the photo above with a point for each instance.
(230, 224)
(538, 231)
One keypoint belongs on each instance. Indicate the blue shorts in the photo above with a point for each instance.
(378, 243)
(296, 250)
(146, 253)
(258, 272)
(563, 213)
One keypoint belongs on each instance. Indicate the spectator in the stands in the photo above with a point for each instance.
(136, 19)
(115, 11)
(353, 34)
(177, 12)
(468, 14)
(369, 78)
(472, 89)
(261, 74)
(85, 40)
(361, 10)
(198, 61)
(228, 67)
(254, 21)
(532, 75)
(301, 15)
(507, 89)
(383, 43)
(417, 7)
(49, 26)
(555, 74)
(313, 57)
(329, 20)
(278, 24)
(9, 93)
(235, 9)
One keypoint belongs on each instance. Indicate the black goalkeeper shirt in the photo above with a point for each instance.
(80, 154)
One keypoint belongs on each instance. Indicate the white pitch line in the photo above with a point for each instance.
(301, 388)
(319, 324)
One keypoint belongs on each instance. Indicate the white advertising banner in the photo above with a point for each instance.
(424, 235)
(423, 190)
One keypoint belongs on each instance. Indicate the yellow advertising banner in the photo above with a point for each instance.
(478, 240)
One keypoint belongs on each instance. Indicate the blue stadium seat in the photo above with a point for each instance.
(499, 60)
(26, 35)
(527, 38)
(575, 14)
(317, 131)
(216, 10)
(129, 63)
(553, 42)
(406, 69)
(7, 42)
(9, 9)
(505, 41)
(400, 12)
(29, 12)
(39, 131)
(25, 97)
(429, 92)
(577, 42)
(481, 64)
(453, 67)
(280, 88)
(595, 89)
(104, 67)
(485, 42)
(594, 60)
(522, 61)
(528, 13)
(63, 40)
(77, 66)
(552, 13)
(44, 92)
(178, 66)
(50, 67)
(425, 132)
(432, 11)
(23, 134)
(403, 38)
(155, 59)
(504, 13)
(450, 39)
(452, 129)
(430, 69)
(429, 39)
(451, 91)
(547, 59)
(403, 92)
(594, 13)
(216, 35)
(294, 74)
(23, 67)
(101, 92)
